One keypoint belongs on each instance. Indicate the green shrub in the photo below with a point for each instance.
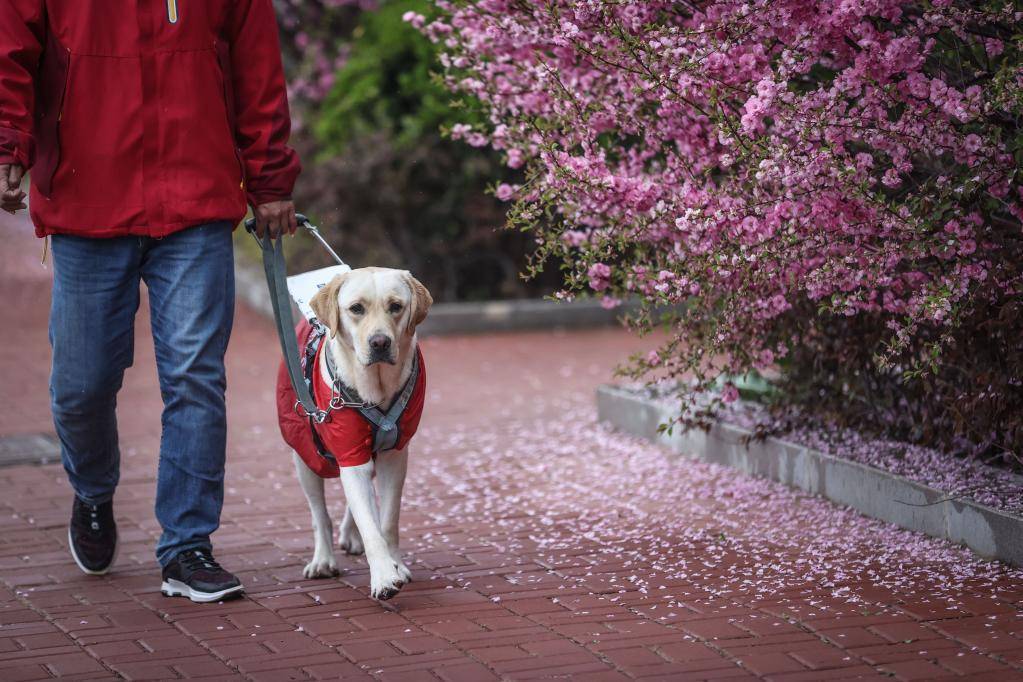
(385, 185)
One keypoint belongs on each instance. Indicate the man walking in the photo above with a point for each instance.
(147, 126)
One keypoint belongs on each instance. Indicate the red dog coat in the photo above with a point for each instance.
(346, 434)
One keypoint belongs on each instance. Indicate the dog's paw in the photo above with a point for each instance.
(403, 571)
(321, 568)
(386, 591)
(351, 541)
(386, 581)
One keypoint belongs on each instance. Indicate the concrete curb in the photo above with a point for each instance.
(250, 287)
(29, 448)
(467, 318)
(520, 315)
(991, 533)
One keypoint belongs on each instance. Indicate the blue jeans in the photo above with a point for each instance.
(190, 279)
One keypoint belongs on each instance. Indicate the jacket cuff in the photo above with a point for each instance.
(275, 186)
(259, 198)
(275, 179)
(16, 147)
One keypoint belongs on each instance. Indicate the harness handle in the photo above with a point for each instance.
(250, 227)
(276, 279)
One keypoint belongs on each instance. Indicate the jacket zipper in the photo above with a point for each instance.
(172, 11)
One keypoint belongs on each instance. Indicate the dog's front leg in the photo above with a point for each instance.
(349, 539)
(391, 468)
(323, 564)
(385, 580)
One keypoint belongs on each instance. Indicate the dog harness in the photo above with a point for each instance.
(352, 433)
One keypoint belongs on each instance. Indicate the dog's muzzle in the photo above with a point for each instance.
(380, 347)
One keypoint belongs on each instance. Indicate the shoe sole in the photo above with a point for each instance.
(89, 571)
(176, 588)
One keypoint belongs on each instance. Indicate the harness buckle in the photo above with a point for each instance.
(319, 416)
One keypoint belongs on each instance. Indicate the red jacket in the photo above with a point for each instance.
(346, 434)
(143, 117)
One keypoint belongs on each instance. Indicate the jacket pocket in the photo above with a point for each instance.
(224, 62)
(51, 89)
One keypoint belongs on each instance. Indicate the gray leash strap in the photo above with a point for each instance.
(277, 282)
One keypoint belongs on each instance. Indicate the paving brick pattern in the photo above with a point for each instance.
(541, 544)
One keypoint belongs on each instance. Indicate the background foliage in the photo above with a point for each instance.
(380, 178)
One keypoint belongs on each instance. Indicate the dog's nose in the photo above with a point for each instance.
(379, 343)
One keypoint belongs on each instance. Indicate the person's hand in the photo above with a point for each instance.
(275, 217)
(12, 197)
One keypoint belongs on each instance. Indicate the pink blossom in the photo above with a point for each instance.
(764, 358)
(417, 20)
(891, 178)
(600, 276)
(610, 302)
(505, 192)
(515, 158)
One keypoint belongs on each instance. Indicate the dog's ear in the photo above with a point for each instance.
(421, 301)
(325, 304)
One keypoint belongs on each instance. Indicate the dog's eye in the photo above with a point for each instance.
(394, 307)
(356, 309)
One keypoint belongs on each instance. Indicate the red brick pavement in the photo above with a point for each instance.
(542, 545)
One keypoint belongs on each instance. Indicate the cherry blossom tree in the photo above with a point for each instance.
(772, 165)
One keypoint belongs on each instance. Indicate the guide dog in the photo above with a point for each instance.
(367, 355)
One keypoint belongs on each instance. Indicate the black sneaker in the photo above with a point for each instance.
(195, 574)
(92, 536)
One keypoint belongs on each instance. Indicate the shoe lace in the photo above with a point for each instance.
(93, 511)
(197, 559)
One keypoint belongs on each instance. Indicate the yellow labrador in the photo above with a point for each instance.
(371, 315)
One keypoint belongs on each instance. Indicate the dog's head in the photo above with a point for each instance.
(372, 311)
